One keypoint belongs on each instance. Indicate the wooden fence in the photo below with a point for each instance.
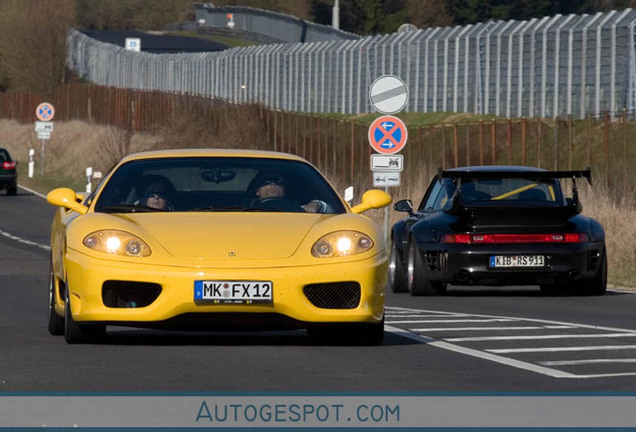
(339, 146)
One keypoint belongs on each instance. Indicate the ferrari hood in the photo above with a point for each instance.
(222, 235)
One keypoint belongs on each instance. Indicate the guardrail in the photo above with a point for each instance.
(286, 28)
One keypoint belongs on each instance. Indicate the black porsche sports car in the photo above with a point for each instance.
(498, 225)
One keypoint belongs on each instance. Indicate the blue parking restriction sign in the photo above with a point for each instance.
(45, 112)
(387, 135)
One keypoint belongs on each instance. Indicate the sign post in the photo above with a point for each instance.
(45, 113)
(388, 135)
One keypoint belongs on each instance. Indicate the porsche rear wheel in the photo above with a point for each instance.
(12, 190)
(397, 271)
(79, 333)
(417, 279)
(56, 322)
(598, 284)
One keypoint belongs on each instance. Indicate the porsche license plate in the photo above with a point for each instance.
(233, 292)
(497, 261)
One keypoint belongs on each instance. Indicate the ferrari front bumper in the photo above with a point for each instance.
(86, 276)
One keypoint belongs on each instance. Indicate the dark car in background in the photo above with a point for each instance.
(8, 174)
(498, 225)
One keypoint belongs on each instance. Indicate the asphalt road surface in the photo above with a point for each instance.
(472, 340)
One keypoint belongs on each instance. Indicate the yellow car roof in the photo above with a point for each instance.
(210, 153)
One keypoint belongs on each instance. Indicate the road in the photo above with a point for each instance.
(472, 340)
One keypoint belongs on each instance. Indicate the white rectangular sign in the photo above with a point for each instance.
(44, 135)
(386, 178)
(382, 162)
(41, 126)
(133, 44)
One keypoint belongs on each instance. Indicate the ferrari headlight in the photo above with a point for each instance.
(340, 244)
(117, 243)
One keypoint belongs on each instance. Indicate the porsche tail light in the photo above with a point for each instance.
(514, 238)
(8, 165)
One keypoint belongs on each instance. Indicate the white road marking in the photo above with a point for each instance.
(529, 337)
(583, 362)
(436, 329)
(448, 321)
(490, 354)
(389, 315)
(24, 241)
(562, 349)
(20, 239)
(480, 354)
(32, 191)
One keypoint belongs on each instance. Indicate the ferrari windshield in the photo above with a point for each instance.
(188, 184)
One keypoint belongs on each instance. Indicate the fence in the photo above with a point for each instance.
(285, 28)
(550, 67)
(339, 147)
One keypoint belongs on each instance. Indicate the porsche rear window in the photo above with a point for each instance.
(215, 183)
(510, 190)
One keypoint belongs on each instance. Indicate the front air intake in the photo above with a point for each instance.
(334, 295)
(129, 294)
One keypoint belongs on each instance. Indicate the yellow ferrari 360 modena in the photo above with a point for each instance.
(216, 240)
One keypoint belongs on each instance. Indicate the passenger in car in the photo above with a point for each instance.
(158, 193)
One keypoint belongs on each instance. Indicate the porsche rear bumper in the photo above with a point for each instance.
(175, 303)
(471, 264)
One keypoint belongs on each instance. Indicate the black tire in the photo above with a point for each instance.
(56, 322)
(418, 282)
(75, 333)
(598, 284)
(355, 334)
(397, 271)
(12, 190)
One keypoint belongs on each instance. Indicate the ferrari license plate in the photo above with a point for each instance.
(233, 292)
(497, 261)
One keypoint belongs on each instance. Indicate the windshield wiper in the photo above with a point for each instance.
(129, 208)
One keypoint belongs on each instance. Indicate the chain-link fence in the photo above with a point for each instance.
(549, 67)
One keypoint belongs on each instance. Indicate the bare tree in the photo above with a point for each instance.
(33, 42)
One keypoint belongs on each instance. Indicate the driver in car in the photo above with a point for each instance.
(272, 186)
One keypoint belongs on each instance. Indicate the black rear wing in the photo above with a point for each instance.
(573, 205)
(495, 174)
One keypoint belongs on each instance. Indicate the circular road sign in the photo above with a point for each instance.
(387, 135)
(45, 112)
(388, 94)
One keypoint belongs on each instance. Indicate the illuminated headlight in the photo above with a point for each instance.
(340, 244)
(117, 243)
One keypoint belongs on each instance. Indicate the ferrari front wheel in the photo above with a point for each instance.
(417, 275)
(79, 333)
(397, 271)
(56, 322)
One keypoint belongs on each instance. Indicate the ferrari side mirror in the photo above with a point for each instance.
(67, 198)
(372, 199)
